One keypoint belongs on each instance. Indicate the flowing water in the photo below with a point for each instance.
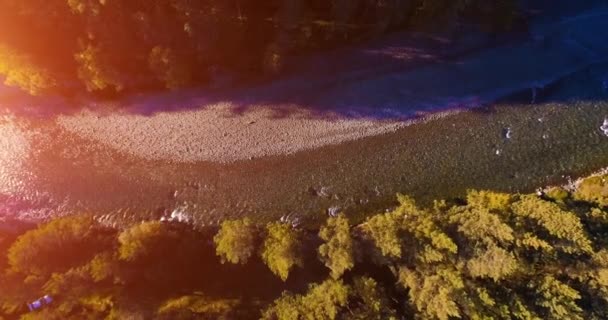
(46, 171)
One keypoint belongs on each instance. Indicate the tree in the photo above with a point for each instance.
(281, 249)
(558, 194)
(489, 200)
(368, 301)
(494, 263)
(235, 242)
(170, 68)
(337, 251)
(197, 307)
(558, 299)
(140, 240)
(480, 225)
(322, 302)
(383, 230)
(563, 225)
(57, 246)
(20, 71)
(430, 243)
(434, 293)
(96, 72)
(594, 190)
(103, 266)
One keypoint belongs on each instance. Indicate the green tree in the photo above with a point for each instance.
(337, 251)
(281, 249)
(235, 242)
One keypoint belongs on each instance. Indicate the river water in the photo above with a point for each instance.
(47, 172)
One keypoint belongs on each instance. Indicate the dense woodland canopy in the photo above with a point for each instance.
(487, 256)
(110, 46)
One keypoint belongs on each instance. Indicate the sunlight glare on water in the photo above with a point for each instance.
(14, 147)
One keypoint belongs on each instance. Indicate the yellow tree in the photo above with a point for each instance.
(19, 70)
(235, 242)
(337, 251)
(281, 249)
(322, 302)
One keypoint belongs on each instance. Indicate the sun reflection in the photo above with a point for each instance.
(14, 147)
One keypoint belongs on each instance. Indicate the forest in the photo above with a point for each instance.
(115, 46)
(488, 255)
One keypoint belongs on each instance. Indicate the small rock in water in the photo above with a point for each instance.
(604, 127)
(324, 192)
(333, 211)
(497, 152)
(377, 191)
